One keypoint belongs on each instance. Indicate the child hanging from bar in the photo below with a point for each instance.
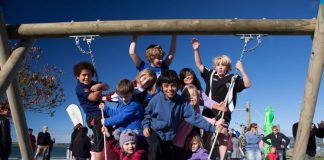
(154, 56)
(217, 85)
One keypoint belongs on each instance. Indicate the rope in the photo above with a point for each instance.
(104, 136)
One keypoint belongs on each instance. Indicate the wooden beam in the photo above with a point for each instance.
(315, 70)
(10, 68)
(164, 27)
(16, 107)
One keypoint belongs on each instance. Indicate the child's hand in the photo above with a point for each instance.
(219, 122)
(146, 132)
(104, 86)
(239, 65)
(195, 44)
(104, 130)
(104, 98)
(95, 87)
(220, 106)
(101, 105)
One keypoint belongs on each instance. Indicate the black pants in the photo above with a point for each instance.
(159, 150)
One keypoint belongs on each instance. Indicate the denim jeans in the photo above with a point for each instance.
(253, 154)
(280, 154)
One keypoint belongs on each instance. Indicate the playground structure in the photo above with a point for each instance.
(28, 32)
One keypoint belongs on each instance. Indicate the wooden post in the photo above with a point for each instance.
(315, 70)
(10, 68)
(163, 27)
(248, 110)
(16, 107)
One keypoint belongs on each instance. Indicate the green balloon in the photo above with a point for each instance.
(267, 127)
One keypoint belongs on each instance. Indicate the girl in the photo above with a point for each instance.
(194, 147)
(144, 88)
(191, 93)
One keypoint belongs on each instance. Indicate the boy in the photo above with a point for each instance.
(89, 95)
(163, 115)
(5, 137)
(129, 111)
(217, 85)
(154, 56)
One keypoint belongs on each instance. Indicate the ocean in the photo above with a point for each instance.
(58, 151)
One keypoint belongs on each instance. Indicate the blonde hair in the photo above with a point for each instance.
(193, 136)
(224, 60)
(154, 52)
(152, 78)
(194, 89)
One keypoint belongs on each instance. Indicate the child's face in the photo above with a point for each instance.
(129, 147)
(126, 98)
(85, 77)
(273, 149)
(145, 81)
(156, 62)
(194, 146)
(193, 97)
(188, 79)
(169, 89)
(221, 69)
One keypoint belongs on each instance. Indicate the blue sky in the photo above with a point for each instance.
(277, 68)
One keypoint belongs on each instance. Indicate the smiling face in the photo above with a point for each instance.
(169, 90)
(193, 97)
(129, 147)
(85, 77)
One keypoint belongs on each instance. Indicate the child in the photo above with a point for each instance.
(272, 155)
(163, 115)
(129, 151)
(154, 56)
(144, 87)
(217, 83)
(194, 147)
(5, 141)
(187, 77)
(129, 111)
(89, 95)
(81, 145)
(191, 94)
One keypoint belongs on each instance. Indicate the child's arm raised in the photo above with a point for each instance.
(195, 46)
(173, 45)
(132, 51)
(246, 80)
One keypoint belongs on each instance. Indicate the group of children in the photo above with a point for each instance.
(158, 114)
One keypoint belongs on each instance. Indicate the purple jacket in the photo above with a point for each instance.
(200, 154)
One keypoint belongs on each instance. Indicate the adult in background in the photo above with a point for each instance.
(5, 137)
(277, 138)
(75, 132)
(311, 146)
(43, 142)
(252, 143)
(32, 139)
(50, 147)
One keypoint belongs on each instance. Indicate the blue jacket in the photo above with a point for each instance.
(164, 116)
(125, 116)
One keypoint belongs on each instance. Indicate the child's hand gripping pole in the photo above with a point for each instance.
(101, 106)
(215, 139)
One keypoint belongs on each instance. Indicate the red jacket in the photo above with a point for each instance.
(273, 156)
(138, 155)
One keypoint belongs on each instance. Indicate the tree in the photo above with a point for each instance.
(39, 87)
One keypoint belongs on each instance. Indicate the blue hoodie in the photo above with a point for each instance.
(163, 116)
(125, 116)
